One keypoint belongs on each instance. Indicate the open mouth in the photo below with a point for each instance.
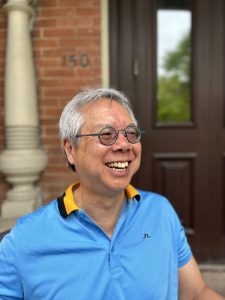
(120, 165)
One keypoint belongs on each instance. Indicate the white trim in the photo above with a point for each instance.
(105, 43)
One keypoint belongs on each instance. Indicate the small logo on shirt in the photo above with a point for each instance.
(146, 236)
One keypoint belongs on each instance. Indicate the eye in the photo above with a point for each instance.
(107, 135)
(133, 134)
(132, 131)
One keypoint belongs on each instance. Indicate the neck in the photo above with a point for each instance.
(104, 211)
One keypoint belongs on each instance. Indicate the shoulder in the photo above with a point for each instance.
(43, 212)
(34, 224)
(165, 220)
(158, 208)
(155, 201)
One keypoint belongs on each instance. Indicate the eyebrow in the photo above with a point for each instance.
(101, 126)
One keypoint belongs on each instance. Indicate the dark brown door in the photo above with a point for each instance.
(184, 161)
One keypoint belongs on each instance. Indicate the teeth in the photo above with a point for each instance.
(118, 165)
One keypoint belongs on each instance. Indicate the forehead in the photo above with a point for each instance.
(105, 112)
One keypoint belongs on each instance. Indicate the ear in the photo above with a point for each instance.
(69, 151)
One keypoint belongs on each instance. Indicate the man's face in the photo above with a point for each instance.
(97, 164)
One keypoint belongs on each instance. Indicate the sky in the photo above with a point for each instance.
(172, 25)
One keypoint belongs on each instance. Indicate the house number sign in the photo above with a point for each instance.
(75, 59)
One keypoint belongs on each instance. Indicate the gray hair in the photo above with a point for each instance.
(72, 118)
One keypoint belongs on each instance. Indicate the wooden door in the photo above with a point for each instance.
(184, 161)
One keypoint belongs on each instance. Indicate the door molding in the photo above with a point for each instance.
(105, 42)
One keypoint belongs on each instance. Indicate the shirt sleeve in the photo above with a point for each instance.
(182, 246)
(184, 250)
(10, 281)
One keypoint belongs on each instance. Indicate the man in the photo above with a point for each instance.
(102, 239)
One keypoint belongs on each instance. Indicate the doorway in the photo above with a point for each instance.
(183, 151)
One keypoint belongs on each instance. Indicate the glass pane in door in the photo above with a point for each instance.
(173, 62)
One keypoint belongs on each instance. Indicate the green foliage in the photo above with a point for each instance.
(174, 85)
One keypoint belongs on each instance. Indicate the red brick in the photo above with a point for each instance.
(53, 53)
(49, 102)
(75, 43)
(64, 22)
(56, 12)
(65, 3)
(58, 73)
(43, 23)
(88, 12)
(68, 93)
(58, 32)
(48, 43)
(42, 3)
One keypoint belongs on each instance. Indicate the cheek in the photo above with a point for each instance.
(89, 153)
(137, 150)
(138, 156)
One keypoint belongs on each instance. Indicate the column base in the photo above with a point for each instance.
(14, 210)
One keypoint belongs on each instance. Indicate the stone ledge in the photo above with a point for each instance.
(6, 224)
(214, 275)
(212, 267)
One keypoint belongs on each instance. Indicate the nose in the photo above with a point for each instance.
(122, 143)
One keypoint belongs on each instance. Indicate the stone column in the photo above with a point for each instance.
(23, 159)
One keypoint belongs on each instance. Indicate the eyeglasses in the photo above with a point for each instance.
(108, 135)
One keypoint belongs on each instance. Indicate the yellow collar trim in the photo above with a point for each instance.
(67, 202)
(131, 192)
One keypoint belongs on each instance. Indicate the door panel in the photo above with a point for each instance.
(183, 161)
(173, 177)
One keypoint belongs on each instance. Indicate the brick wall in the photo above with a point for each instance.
(66, 41)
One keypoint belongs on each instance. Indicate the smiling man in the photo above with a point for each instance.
(102, 239)
(105, 161)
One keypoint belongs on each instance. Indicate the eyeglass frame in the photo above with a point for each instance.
(125, 131)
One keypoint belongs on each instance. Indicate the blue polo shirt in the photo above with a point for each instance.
(59, 253)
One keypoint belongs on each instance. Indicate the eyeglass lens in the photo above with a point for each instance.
(109, 135)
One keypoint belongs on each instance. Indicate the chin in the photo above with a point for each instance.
(119, 186)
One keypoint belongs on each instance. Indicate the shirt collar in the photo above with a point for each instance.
(67, 203)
